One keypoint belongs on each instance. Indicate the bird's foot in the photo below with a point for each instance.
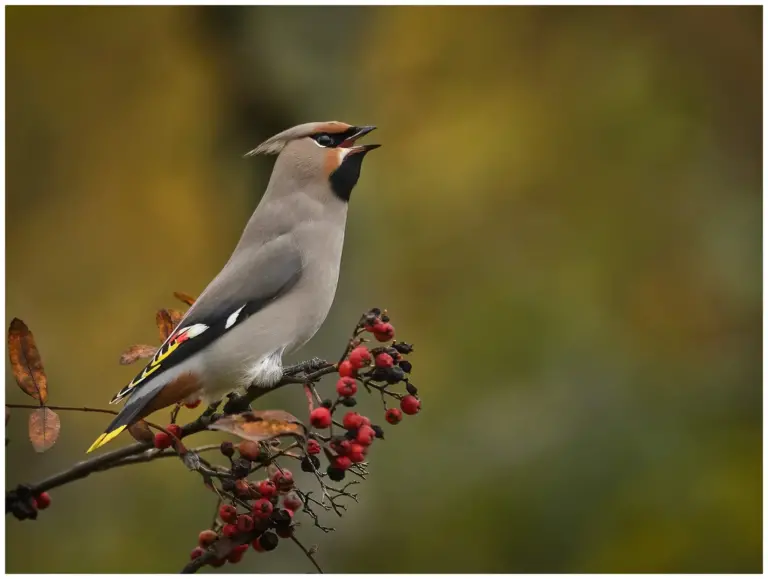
(237, 404)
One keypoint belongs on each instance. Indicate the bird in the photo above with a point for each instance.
(277, 287)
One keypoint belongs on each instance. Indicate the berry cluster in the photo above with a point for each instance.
(261, 512)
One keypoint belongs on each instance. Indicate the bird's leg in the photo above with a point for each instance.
(304, 367)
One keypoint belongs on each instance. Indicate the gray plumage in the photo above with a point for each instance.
(277, 288)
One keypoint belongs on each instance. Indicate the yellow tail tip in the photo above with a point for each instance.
(105, 438)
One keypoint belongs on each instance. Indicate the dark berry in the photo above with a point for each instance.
(335, 474)
(395, 374)
(406, 366)
(217, 562)
(268, 541)
(380, 374)
(411, 389)
(410, 405)
(228, 485)
(310, 463)
(378, 431)
(403, 348)
(284, 532)
(227, 448)
(349, 402)
(242, 488)
(385, 318)
(162, 440)
(320, 418)
(241, 467)
(393, 415)
(375, 311)
(281, 517)
(327, 403)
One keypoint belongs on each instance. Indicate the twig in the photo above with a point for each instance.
(309, 555)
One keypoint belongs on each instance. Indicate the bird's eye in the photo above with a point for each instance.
(324, 140)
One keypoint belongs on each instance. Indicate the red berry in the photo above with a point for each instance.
(244, 523)
(352, 420)
(174, 429)
(313, 447)
(249, 449)
(365, 421)
(359, 357)
(346, 387)
(196, 552)
(342, 462)
(342, 447)
(43, 501)
(162, 440)
(393, 415)
(365, 435)
(384, 360)
(292, 502)
(320, 417)
(229, 531)
(193, 404)
(410, 404)
(262, 509)
(228, 513)
(267, 488)
(346, 370)
(205, 538)
(257, 546)
(242, 488)
(357, 453)
(283, 480)
(384, 332)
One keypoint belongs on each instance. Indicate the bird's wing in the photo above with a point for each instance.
(244, 286)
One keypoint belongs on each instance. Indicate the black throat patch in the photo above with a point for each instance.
(344, 179)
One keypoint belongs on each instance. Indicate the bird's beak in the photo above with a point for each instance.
(361, 131)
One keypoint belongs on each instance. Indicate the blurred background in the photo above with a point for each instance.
(565, 218)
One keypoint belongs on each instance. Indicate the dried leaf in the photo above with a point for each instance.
(164, 324)
(141, 432)
(261, 425)
(25, 361)
(135, 352)
(44, 428)
(186, 298)
(176, 316)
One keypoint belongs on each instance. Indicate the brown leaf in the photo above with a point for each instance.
(141, 432)
(164, 323)
(135, 352)
(261, 425)
(25, 361)
(186, 298)
(176, 316)
(44, 428)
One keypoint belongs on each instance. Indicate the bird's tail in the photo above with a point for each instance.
(127, 416)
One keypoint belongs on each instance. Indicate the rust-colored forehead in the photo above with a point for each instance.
(333, 127)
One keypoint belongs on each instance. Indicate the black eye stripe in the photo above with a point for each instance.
(333, 140)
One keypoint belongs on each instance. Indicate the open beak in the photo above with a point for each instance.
(361, 131)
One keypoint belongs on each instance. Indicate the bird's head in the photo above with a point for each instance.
(320, 151)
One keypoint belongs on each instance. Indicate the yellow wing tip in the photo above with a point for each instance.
(105, 438)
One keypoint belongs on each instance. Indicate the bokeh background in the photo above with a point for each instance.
(565, 219)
